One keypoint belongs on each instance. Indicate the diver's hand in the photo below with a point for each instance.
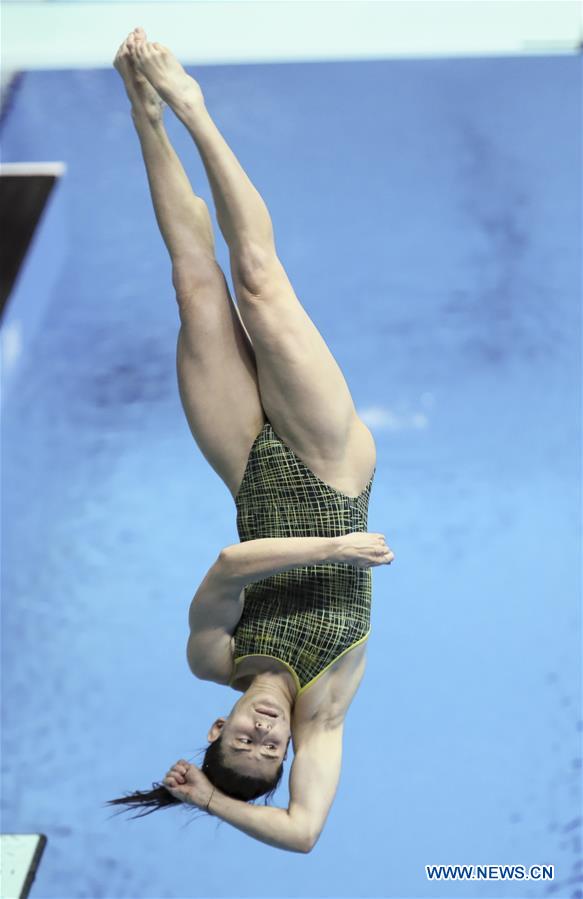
(187, 783)
(362, 549)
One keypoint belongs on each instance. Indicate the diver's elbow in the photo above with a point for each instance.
(308, 842)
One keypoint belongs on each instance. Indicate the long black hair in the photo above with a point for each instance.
(238, 786)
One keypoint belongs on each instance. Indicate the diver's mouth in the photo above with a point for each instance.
(263, 710)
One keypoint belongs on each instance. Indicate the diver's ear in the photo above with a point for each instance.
(216, 728)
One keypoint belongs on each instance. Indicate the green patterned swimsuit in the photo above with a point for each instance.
(311, 615)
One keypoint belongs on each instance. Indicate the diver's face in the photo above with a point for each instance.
(255, 737)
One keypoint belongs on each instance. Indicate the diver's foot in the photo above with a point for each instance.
(146, 102)
(159, 65)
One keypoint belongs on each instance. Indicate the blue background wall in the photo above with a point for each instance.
(429, 215)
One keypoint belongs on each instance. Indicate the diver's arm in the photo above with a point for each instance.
(213, 617)
(253, 560)
(314, 776)
(269, 824)
(218, 603)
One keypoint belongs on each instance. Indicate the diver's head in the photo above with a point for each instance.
(248, 748)
(246, 751)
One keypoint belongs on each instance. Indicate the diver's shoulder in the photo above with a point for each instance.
(325, 703)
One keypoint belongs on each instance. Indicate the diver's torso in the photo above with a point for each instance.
(312, 622)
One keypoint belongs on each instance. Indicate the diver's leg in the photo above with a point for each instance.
(216, 369)
(303, 390)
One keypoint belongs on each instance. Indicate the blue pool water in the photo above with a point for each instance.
(429, 216)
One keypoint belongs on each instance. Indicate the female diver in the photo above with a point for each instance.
(283, 616)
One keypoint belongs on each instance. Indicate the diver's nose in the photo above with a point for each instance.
(263, 724)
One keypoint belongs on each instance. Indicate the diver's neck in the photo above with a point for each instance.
(279, 685)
